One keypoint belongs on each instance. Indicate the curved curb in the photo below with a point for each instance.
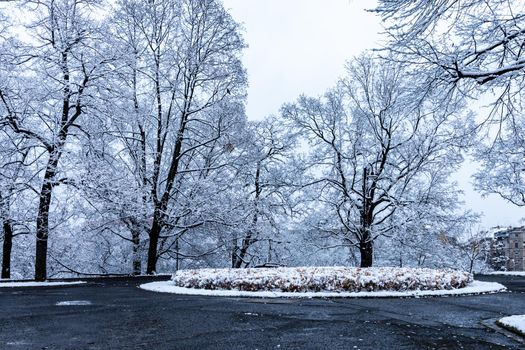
(504, 323)
(475, 288)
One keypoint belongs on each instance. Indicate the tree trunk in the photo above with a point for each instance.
(137, 263)
(154, 234)
(7, 247)
(366, 250)
(42, 221)
(138, 227)
(55, 152)
(162, 204)
(248, 240)
(240, 254)
(42, 232)
(177, 257)
(235, 250)
(365, 241)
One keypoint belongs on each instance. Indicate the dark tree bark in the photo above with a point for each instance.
(6, 249)
(136, 259)
(366, 251)
(42, 221)
(154, 234)
(366, 245)
(239, 257)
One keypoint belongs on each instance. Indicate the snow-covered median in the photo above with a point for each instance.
(37, 284)
(515, 323)
(323, 282)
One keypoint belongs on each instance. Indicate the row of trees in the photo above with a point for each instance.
(127, 107)
(125, 147)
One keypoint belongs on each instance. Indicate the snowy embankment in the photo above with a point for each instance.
(323, 282)
(508, 273)
(36, 284)
(515, 323)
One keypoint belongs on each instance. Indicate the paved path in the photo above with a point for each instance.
(115, 314)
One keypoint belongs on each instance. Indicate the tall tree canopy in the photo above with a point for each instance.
(471, 49)
(375, 152)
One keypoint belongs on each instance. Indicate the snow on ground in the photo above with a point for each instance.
(322, 279)
(37, 284)
(508, 273)
(514, 323)
(475, 287)
(73, 303)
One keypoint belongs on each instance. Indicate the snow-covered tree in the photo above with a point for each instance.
(179, 96)
(53, 72)
(471, 49)
(375, 152)
(475, 246)
(265, 185)
(13, 194)
(502, 161)
(471, 45)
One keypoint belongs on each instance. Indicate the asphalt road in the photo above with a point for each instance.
(115, 314)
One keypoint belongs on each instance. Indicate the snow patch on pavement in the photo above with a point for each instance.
(37, 284)
(475, 287)
(515, 323)
(73, 303)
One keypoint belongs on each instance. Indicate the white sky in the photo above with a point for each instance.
(301, 46)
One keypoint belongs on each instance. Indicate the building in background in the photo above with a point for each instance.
(508, 249)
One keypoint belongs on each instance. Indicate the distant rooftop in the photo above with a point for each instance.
(500, 232)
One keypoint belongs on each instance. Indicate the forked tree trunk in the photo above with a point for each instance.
(240, 254)
(366, 250)
(162, 204)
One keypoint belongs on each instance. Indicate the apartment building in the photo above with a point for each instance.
(508, 249)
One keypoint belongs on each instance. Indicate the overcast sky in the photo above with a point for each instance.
(301, 46)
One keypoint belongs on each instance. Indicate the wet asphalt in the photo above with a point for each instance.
(113, 313)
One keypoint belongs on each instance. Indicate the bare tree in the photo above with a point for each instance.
(471, 50)
(374, 149)
(502, 163)
(185, 84)
(475, 42)
(13, 156)
(62, 58)
(476, 247)
(266, 185)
